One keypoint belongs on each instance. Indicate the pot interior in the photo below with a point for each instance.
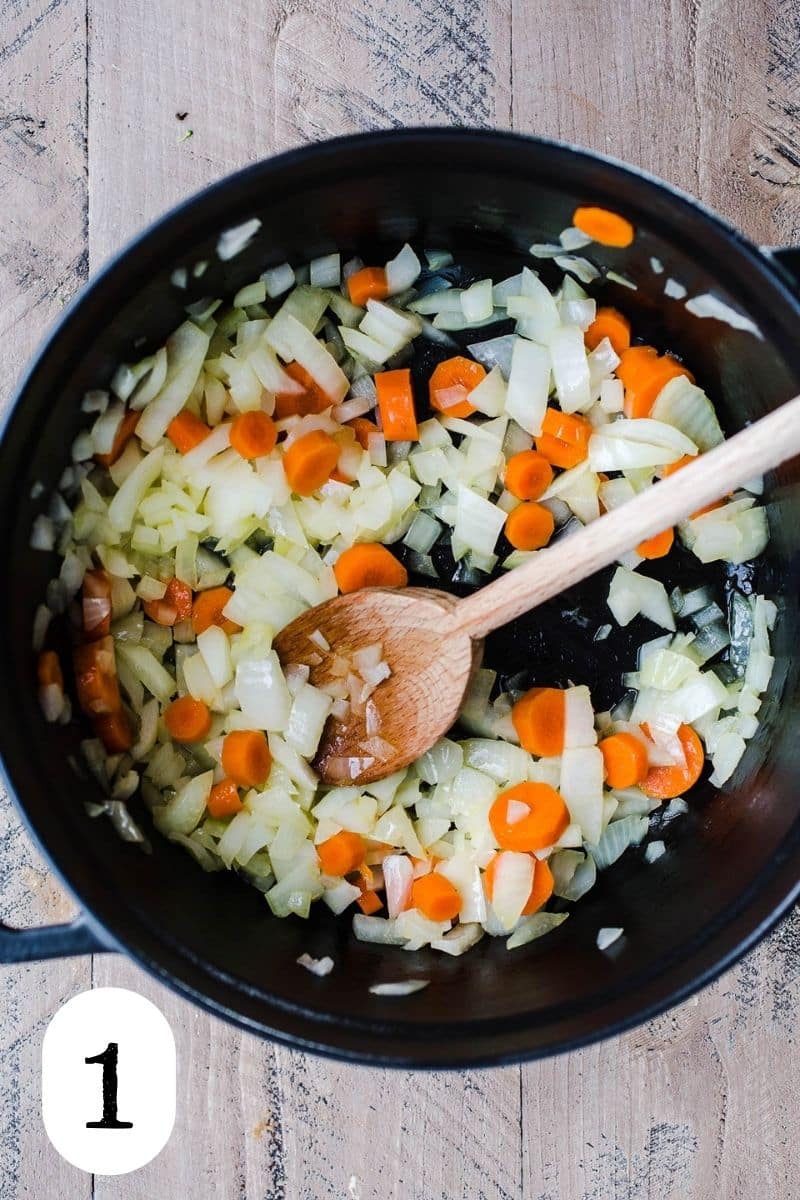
(487, 199)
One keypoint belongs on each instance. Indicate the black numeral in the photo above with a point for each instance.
(109, 1061)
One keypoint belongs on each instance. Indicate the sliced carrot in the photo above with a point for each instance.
(253, 434)
(125, 431)
(114, 731)
(174, 606)
(246, 758)
(187, 719)
(663, 783)
(538, 718)
(368, 564)
(451, 377)
(564, 440)
(624, 759)
(612, 324)
(342, 853)
(369, 902)
(309, 461)
(96, 604)
(528, 475)
(435, 897)
(657, 546)
(207, 610)
(48, 669)
(224, 800)
(542, 890)
(187, 431)
(603, 226)
(363, 428)
(544, 823)
(370, 283)
(300, 404)
(96, 677)
(644, 372)
(396, 405)
(671, 468)
(529, 526)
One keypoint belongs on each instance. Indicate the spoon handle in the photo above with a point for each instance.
(749, 453)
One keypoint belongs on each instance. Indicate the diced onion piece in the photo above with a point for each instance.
(478, 522)
(262, 692)
(278, 280)
(528, 385)
(496, 352)
(233, 241)
(607, 936)
(402, 270)
(535, 926)
(707, 305)
(579, 727)
(581, 786)
(687, 407)
(326, 272)
(403, 987)
(476, 301)
(631, 593)
(512, 883)
(317, 966)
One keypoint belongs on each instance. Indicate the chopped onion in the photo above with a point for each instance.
(607, 936)
(317, 966)
(326, 271)
(631, 593)
(528, 385)
(497, 352)
(536, 926)
(707, 305)
(278, 280)
(402, 270)
(233, 241)
(405, 987)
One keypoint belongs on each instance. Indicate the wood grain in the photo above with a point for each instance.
(43, 202)
(699, 1104)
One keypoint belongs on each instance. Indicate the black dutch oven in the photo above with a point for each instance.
(731, 869)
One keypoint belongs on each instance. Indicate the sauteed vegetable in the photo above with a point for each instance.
(338, 427)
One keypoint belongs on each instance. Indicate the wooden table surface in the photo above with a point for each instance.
(699, 1104)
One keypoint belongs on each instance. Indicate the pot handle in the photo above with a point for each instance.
(49, 941)
(787, 259)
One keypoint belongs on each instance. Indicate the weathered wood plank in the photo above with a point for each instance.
(42, 262)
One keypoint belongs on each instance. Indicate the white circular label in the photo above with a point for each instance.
(108, 1081)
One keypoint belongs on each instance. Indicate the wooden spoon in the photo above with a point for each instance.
(432, 642)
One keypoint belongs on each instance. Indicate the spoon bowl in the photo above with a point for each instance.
(431, 669)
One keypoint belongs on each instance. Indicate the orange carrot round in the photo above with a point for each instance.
(114, 731)
(663, 783)
(657, 546)
(187, 431)
(207, 610)
(538, 718)
(603, 226)
(644, 373)
(125, 431)
(175, 605)
(612, 324)
(546, 820)
(624, 759)
(368, 564)
(369, 283)
(224, 800)
(246, 758)
(96, 677)
(187, 719)
(342, 853)
(253, 434)
(396, 405)
(435, 897)
(528, 475)
(542, 890)
(529, 526)
(459, 373)
(564, 440)
(309, 461)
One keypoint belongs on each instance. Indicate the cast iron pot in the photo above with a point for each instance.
(731, 869)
